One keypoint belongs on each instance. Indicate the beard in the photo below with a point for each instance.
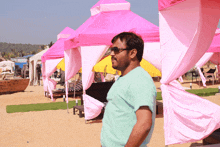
(120, 65)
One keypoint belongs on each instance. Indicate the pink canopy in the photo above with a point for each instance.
(57, 49)
(52, 57)
(215, 46)
(186, 32)
(93, 38)
(102, 27)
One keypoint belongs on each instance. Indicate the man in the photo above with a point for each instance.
(130, 112)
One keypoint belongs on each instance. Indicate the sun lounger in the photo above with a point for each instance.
(210, 75)
(61, 92)
(96, 90)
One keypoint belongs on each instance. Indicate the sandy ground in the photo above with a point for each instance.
(58, 128)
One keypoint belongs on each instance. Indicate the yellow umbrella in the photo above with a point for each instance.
(61, 65)
(152, 70)
(105, 66)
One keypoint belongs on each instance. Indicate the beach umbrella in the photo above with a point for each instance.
(105, 65)
(61, 65)
(187, 28)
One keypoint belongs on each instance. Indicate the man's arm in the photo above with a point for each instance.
(142, 127)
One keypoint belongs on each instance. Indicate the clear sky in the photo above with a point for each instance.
(39, 21)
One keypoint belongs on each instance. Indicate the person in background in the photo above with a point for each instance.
(38, 73)
(131, 109)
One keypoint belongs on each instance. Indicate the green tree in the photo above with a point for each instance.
(3, 54)
(50, 44)
(33, 52)
(22, 53)
(43, 47)
(39, 50)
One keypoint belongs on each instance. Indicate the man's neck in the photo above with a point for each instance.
(132, 66)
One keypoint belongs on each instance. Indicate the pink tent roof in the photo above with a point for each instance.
(162, 4)
(215, 46)
(108, 2)
(57, 50)
(102, 27)
(67, 30)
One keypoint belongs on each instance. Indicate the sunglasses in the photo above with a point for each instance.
(117, 50)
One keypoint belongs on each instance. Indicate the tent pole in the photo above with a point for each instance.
(67, 108)
(74, 86)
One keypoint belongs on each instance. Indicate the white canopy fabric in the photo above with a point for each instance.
(7, 65)
(33, 61)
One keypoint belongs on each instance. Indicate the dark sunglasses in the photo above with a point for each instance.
(117, 50)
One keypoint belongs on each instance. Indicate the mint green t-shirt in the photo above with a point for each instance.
(125, 97)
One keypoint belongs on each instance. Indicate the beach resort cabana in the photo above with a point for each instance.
(52, 57)
(33, 61)
(93, 38)
(187, 28)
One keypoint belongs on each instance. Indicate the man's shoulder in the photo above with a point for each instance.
(141, 74)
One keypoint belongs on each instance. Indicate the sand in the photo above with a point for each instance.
(59, 128)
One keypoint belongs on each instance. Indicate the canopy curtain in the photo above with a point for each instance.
(90, 56)
(72, 65)
(186, 32)
(205, 58)
(47, 72)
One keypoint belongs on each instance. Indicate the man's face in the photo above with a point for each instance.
(120, 60)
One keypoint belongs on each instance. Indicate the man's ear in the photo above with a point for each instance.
(133, 53)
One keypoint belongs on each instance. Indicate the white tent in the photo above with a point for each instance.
(7, 65)
(33, 61)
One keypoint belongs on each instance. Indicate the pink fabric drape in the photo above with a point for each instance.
(181, 79)
(50, 69)
(72, 65)
(48, 83)
(44, 76)
(90, 56)
(186, 32)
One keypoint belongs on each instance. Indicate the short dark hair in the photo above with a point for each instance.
(132, 41)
